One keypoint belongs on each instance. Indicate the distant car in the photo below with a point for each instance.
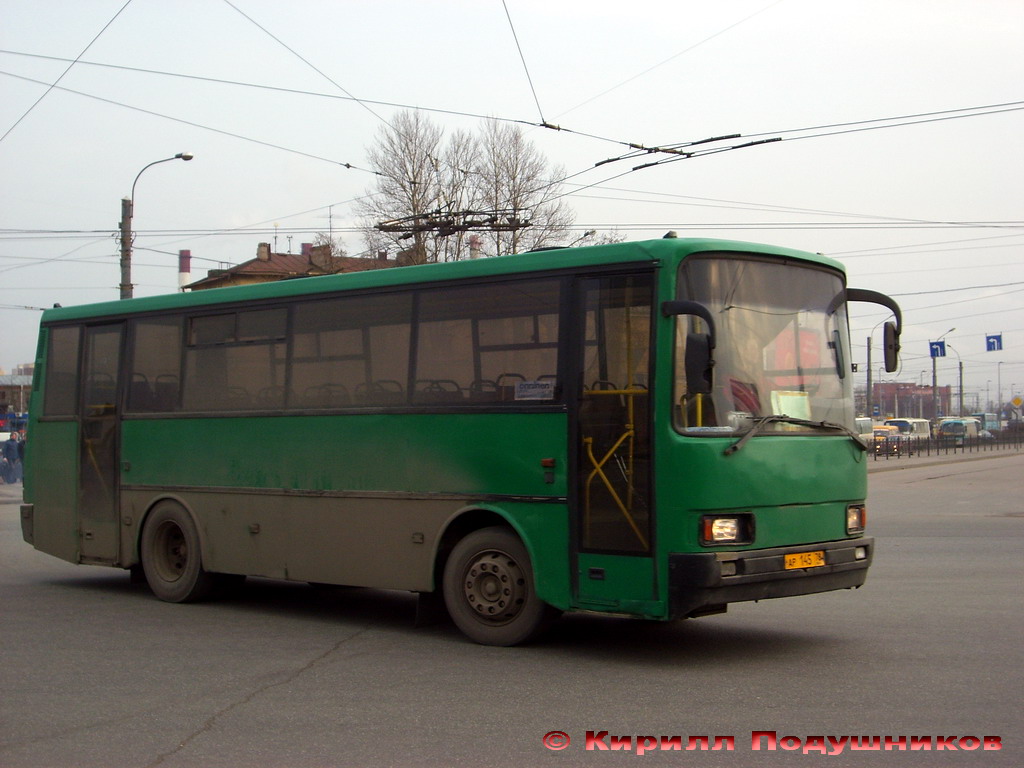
(887, 440)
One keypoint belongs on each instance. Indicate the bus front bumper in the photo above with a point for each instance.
(28, 523)
(705, 582)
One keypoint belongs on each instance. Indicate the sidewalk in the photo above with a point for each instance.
(10, 495)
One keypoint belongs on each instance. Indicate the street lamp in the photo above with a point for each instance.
(869, 410)
(999, 389)
(127, 211)
(935, 380)
(585, 236)
(882, 410)
(960, 363)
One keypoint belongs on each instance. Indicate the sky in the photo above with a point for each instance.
(900, 124)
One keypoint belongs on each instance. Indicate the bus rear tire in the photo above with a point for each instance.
(489, 589)
(171, 557)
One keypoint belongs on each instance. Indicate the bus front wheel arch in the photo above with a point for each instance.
(489, 589)
(171, 555)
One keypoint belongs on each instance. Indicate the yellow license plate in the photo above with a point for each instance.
(805, 560)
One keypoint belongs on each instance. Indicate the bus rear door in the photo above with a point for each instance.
(98, 444)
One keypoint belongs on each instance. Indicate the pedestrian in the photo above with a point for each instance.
(12, 459)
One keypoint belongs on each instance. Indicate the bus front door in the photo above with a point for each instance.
(614, 567)
(98, 445)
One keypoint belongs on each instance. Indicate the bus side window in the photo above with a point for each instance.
(61, 395)
(488, 343)
(351, 351)
(155, 365)
(236, 361)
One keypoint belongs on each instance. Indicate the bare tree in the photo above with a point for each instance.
(404, 159)
(611, 236)
(513, 176)
(457, 188)
(431, 196)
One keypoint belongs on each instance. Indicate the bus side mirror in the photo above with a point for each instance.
(698, 363)
(891, 346)
(891, 337)
(699, 346)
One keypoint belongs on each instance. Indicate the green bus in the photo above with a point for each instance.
(653, 429)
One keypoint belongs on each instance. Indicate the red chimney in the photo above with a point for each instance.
(184, 269)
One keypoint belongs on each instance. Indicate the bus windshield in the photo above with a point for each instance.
(781, 346)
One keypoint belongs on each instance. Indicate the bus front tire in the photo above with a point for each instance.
(171, 557)
(489, 589)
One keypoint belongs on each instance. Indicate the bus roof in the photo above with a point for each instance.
(533, 261)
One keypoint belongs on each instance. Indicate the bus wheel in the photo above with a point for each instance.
(489, 591)
(171, 556)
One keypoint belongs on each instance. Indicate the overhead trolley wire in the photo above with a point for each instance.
(315, 94)
(678, 149)
(944, 114)
(282, 89)
(194, 124)
(682, 151)
(671, 58)
(522, 58)
(68, 69)
(304, 60)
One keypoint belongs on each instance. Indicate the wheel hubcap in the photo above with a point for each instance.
(495, 586)
(173, 552)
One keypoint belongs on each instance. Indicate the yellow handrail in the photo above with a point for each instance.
(628, 437)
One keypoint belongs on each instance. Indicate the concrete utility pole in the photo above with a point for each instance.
(868, 410)
(960, 386)
(960, 396)
(126, 248)
(935, 379)
(127, 211)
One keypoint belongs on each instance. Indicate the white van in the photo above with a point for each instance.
(864, 427)
(987, 421)
(918, 429)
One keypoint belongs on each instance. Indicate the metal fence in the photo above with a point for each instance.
(898, 447)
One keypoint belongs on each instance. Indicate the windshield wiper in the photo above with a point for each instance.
(762, 422)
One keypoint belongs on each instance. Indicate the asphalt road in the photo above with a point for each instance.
(96, 672)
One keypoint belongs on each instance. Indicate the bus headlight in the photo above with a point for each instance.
(727, 529)
(856, 518)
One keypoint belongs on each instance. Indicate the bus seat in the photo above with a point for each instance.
(165, 393)
(437, 391)
(380, 392)
(271, 397)
(483, 391)
(745, 396)
(237, 397)
(507, 385)
(326, 396)
(140, 394)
